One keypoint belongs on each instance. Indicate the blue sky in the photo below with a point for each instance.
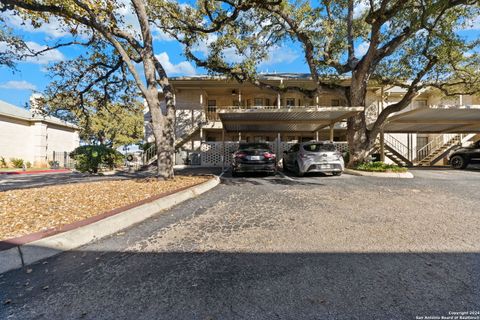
(31, 76)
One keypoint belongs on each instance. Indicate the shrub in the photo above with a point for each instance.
(378, 166)
(28, 164)
(90, 158)
(3, 163)
(16, 162)
(53, 164)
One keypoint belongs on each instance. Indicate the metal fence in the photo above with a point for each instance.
(60, 160)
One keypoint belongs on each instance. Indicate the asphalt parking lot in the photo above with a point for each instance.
(281, 247)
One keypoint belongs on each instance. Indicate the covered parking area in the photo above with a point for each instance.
(436, 119)
(285, 120)
(450, 124)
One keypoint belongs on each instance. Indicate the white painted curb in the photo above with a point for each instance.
(401, 175)
(31, 252)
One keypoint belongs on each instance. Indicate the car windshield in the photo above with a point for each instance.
(319, 147)
(254, 146)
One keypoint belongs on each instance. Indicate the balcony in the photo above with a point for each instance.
(212, 112)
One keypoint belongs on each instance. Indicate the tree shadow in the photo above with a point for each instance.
(242, 285)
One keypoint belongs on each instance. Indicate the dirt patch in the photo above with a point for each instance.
(25, 211)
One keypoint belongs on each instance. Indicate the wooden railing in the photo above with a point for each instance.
(437, 142)
(397, 145)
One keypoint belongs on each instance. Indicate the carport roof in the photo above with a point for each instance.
(436, 119)
(284, 119)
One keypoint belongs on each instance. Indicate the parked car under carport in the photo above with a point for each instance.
(313, 156)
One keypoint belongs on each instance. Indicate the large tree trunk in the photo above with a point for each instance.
(360, 142)
(162, 127)
(166, 151)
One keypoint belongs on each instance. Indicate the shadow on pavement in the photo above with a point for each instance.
(230, 285)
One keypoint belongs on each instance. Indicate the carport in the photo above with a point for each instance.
(282, 120)
(436, 119)
(433, 120)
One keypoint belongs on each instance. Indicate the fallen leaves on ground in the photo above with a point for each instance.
(26, 211)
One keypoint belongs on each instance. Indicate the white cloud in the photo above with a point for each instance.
(182, 68)
(360, 8)
(46, 57)
(473, 24)
(18, 85)
(160, 35)
(361, 49)
(53, 28)
(279, 54)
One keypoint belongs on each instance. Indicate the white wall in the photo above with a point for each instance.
(61, 140)
(32, 141)
(15, 139)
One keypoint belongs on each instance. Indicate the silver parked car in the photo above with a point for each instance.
(313, 156)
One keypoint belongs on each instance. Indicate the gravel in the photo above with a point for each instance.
(25, 211)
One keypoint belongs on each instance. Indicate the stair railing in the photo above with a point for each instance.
(437, 142)
(397, 145)
(149, 154)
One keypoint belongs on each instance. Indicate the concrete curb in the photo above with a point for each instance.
(401, 175)
(28, 253)
(49, 171)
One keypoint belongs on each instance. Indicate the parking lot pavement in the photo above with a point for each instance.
(277, 247)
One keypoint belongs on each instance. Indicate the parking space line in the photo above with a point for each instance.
(285, 176)
(223, 172)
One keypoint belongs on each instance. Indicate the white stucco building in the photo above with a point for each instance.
(32, 137)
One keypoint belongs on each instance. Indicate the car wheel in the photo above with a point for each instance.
(298, 171)
(337, 173)
(458, 162)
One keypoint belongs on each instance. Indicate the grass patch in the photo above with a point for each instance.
(379, 166)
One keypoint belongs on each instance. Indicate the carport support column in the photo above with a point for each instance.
(382, 146)
(223, 148)
(316, 135)
(332, 126)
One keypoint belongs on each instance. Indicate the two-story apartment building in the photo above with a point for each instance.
(214, 113)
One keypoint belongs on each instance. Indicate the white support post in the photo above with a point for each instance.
(382, 146)
(332, 126)
(316, 135)
(223, 150)
(278, 101)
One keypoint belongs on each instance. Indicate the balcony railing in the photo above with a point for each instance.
(212, 112)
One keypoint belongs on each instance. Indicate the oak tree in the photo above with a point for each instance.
(413, 44)
(128, 48)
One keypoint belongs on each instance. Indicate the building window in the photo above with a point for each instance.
(267, 102)
(258, 102)
(212, 106)
(290, 102)
(335, 102)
